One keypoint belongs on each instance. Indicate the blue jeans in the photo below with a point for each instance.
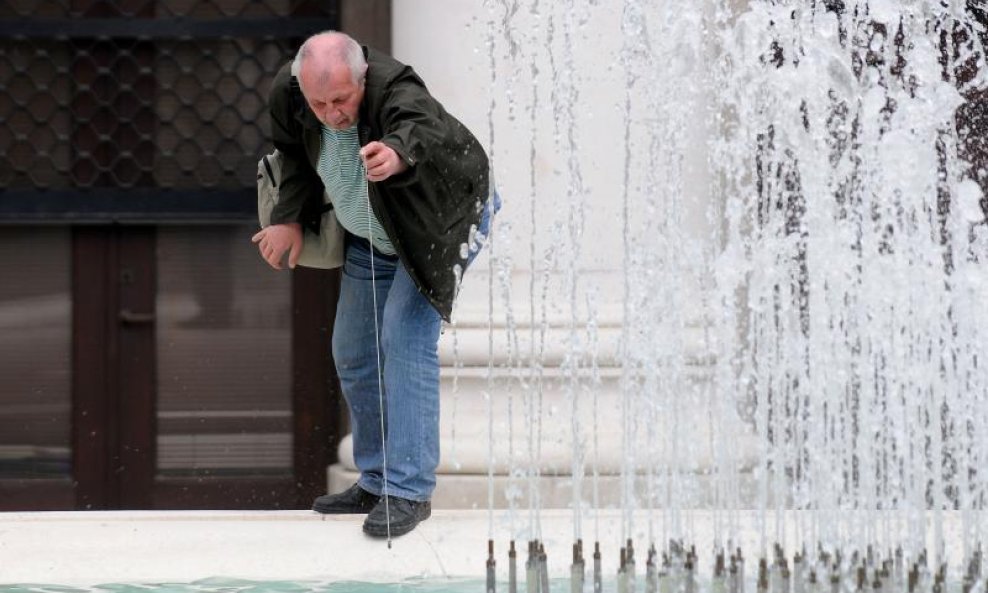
(409, 337)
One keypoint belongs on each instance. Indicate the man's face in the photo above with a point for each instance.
(335, 99)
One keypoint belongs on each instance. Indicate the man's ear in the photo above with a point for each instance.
(296, 66)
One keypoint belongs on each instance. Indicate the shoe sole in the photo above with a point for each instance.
(396, 530)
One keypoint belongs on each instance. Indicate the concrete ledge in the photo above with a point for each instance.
(88, 548)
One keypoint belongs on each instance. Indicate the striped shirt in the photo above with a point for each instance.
(342, 172)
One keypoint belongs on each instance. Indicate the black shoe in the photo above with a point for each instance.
(405, 515)
(352, 501)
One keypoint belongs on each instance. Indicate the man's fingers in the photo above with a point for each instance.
(375, 154)
(267, 258)
(275, 241)
(380, 161)
(263, 250)
(375, 160)
(380, 170)
(294, 254)
(274, 259)
(370, 149)
(272, 254)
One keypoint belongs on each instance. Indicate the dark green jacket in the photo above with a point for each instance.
(427, 211)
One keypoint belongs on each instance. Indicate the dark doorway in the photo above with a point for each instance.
(148, 359)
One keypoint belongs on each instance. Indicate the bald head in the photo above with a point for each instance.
(330, 67)
(329, 50)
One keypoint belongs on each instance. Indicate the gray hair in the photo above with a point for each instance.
(349, 51)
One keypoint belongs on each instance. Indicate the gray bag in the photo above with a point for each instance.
(324, 250)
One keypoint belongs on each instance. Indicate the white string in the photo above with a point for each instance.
(377, 344)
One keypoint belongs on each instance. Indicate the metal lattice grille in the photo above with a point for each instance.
(167, 95)
(210, 9)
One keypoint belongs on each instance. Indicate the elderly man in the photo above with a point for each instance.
(410, 186)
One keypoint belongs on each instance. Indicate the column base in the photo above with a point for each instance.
(472, 491)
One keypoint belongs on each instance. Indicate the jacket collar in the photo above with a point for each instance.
(362, 112)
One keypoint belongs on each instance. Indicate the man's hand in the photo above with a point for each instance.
(381, 161)
(275, 240)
